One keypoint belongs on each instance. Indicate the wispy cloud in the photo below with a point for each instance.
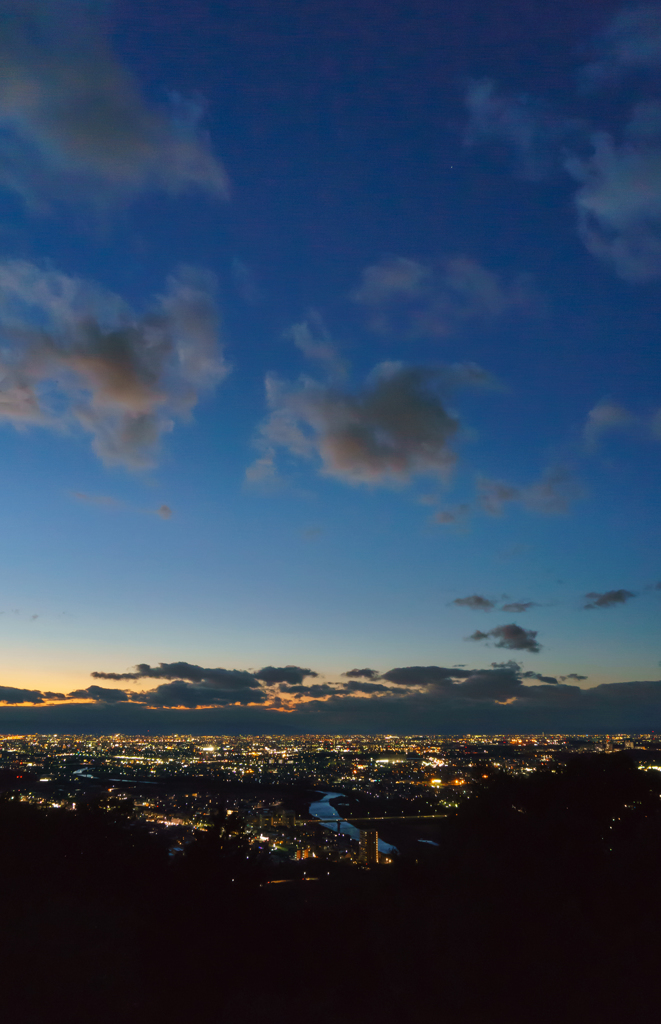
(411, 299)
(607, 417)
(75, 125)
(314, 340)
(106, 501)
(630, 43)
(602, 419)
(451, 516)
(76, 353)
(618, 201)
(535, 134)
(619, 198)
(96, 499)
(551, 496)
(245, 283)
(263, 471)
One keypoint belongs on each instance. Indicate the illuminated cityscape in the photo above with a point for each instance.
(396, 788)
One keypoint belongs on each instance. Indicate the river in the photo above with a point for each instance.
(324, 809)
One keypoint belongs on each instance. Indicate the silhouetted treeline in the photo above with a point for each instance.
(542, 903)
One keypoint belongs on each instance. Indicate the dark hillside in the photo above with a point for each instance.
(542, 903)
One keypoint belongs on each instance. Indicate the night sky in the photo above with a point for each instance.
(329, 366)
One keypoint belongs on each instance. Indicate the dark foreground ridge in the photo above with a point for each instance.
(541, 902)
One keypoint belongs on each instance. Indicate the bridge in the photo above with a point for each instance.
(390, 817)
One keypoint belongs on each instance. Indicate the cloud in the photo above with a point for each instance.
(73, 122)
(76, 354)
(618, 201)
(289, 674)
(96, 499)
(180, 693)
(221, 688)
(605, 417)
(213, 678)
(495, 494)
(607, 599)
(630, 43)
(572, 675)
(360, 686)
(310, 690)
(414, 699)
(542, 679)
(619, 198)
(102, 693)
(501, 682)
(510, 636)
(245, 282)
(495, 702)
(424, 675)
(313, 339)
(550, 496)
(362, 673)
(191, 686)
(405, 297)
(15, 695)
(496, 685)
(321, 690)
(263, 471)
(477, 603)
(450, 516)
(395, 427)
(519, 606)
(525, 124)
(164, 511)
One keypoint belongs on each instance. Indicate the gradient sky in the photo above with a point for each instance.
(329, 338)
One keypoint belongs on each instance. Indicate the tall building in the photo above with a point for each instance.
(369, 845)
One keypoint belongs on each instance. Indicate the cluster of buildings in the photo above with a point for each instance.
(287, 836)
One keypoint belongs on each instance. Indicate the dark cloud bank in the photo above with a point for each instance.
(416, 699)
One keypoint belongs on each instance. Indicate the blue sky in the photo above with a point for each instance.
(329, 339)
